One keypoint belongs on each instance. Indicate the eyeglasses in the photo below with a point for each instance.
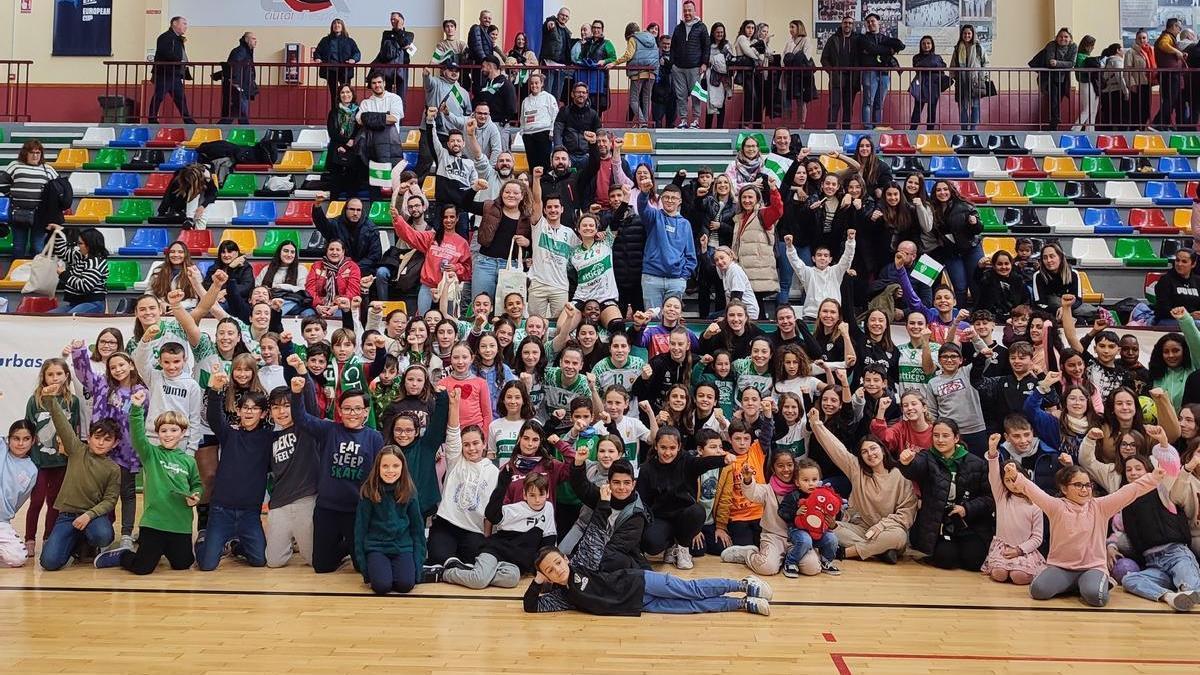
(107, 342)
(1087, 487)
(406, 432)
(1128, 444)
(356, 410)
(250, 407)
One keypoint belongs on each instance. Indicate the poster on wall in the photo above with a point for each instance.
(910, 20)
(279, 13)
(82, 28)
(1152, 15)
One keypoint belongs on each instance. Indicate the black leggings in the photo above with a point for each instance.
(744, 532)
(565, 516)
(333, 539)
(153, 545)
(447, 539)
(679, 528)
(537, 149)
(966, 552)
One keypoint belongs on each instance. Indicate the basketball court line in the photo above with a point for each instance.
(843, 668)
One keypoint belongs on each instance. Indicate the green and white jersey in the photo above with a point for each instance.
(793, 440)
(594, 270)
(464, 329)
(552, 249)
(912, 375)
(607, 374)
(502, 438)
(632, 431)
(171, 331)
(748, 376)
(558, 393)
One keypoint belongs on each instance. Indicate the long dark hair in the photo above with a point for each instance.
(94, 241)
(1158, 365)
(724, 43)
(372, 488)
(526, 402)
(277, 261)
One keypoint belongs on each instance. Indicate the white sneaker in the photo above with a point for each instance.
(757, 588)
(694, 125)
(127, 542)
(682, 124)
(683, 558)
(668, 556)
(737, 554)
(758, 606)
(1180, 602)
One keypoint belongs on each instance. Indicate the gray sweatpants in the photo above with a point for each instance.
(682, 81)
(1092, 585)
(488, 571)
(285, 523)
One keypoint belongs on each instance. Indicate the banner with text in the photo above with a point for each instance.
(83, 27)
(248, 14)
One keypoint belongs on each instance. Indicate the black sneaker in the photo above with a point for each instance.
(453, 563)
(891, 556)
(431, 574)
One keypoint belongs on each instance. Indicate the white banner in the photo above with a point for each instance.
(357, 14)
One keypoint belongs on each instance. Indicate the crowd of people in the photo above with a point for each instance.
(541, 407)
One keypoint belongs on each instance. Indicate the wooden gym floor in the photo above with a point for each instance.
(874, 618)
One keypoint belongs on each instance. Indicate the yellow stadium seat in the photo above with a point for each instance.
(1062, 168)
(413, 140)
(1004, 192)
(933, 144)
(295, 161)
(520, 163)
(245, 239)
(1152, 144)
(70, 159)
(1090, 295)
(390, 306)
(202, 135)
(833, 164)
(16, 277)
(428, 186)
(1183, 219)
(993, 244)
(91, 211)
(335, 209)
(637, 141)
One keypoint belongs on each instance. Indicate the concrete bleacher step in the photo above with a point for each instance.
(691, 149)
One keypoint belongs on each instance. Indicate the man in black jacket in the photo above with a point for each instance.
(239, 83)
(498, 92)
(168, 78)
(876, 50)
(573, 121)
(395, 52)
(361, 239)
(556, 40)
(689, 54)
(479, 46)
(841, 51)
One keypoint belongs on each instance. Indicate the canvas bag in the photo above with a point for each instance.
(43, 271)
(512, 278)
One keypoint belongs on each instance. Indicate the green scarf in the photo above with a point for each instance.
(953, 460)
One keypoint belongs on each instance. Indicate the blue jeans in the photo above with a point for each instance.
(875, 87)
(483, 276)
(968, 113)
(63, 539)
(26, 242)
(225, 524)
(667, 594)
(554, 81)
(656, 289)
(388, 573)
(960, 268)
(1171, 569)
(802, 543)
(786, 273)
(81, 308)
(290, 307)
(424, 299)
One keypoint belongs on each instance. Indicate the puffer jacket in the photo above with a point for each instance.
(955, 232)
(629, 247)
(721, 212)
(754, 244)
(972, 492)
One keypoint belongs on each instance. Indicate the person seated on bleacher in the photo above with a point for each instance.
(84, 277)
(191, 190)
(232, 261)
(177, 271)
(333, 279)
(1179, 287)
(361, 240)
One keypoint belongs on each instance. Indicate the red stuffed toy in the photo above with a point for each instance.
(817, 511)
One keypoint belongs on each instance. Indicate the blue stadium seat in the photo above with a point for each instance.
(4, 207)
(1166, 193)
(1078, 145)
(411, 158)
(636, 160)
(850, 142)
(205, 265)
(1178, 168)
(180, 157)
(134, 137)
(119, 184)
(256, 213)
(147, 241)
(947, 166)
(1105, 221)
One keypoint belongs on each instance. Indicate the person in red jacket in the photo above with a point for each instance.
(444, 249)
(333, 278)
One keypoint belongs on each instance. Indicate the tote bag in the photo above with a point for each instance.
(512, 278)
(43, 271)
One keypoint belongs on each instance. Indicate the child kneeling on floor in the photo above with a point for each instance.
(389, 530)
(578, 583)
(170, 489)
(519, 531)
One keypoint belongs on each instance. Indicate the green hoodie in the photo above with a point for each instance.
(168, 477)
(388, 527)
(951, 463)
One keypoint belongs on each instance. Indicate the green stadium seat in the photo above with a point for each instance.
(132, 212)
(1100, 167)
(107, 159)
(1137, 253)
(275, 238)
(381, 213)
(763, 146)
(991, 222)
(1185, 144)
(246, 137)
(1044, 193)
(319, 165)
(123, 274)
(6, 242)
(238, 185)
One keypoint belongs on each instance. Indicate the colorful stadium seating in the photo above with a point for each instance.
(276, 237)
(132, 212)
(167, 137)
(91, 210)
(156, 185)
(131, 137)
(119, 184)
(147, 241)
(198, 242)
(257, 212)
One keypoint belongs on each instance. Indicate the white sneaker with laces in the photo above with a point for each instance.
(737, 554)
(683, 558)
(668, 556)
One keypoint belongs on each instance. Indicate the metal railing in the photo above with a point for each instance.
(1017, 99)
(14, 91)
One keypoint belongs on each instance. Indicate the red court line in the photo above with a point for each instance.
(839, 659)
(829, 637)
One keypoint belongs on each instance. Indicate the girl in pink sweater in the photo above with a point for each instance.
(1013, 555)
(475, 407)
(1078, 525)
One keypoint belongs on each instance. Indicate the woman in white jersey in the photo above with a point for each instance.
(592, 260)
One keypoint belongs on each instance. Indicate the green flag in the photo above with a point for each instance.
(777, 165)
(700, 93)
(456, 92)
(380, 174)
(441, 53)
(926, 270)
